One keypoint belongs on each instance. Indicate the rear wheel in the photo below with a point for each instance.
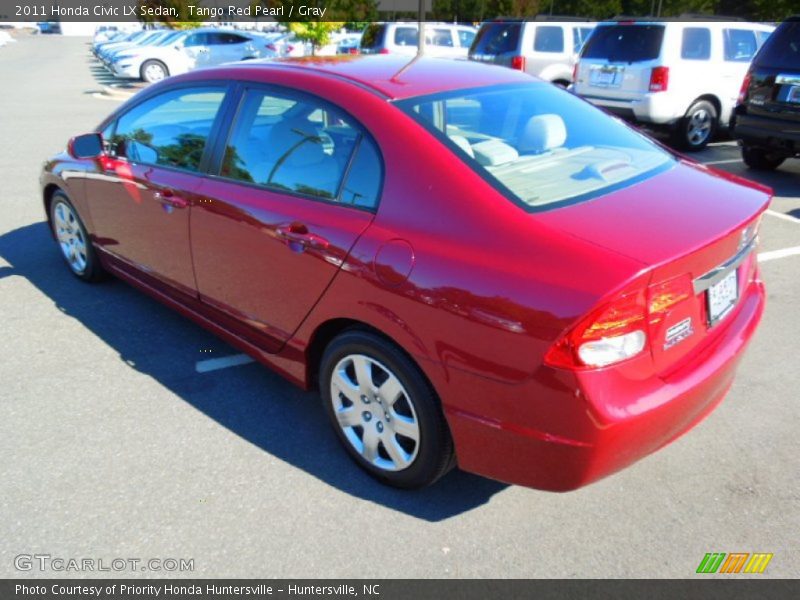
(760, 159)
(154, 70)
(384, 411)
(696, 129)
(73, 240)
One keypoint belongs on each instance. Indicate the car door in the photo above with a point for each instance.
(197, 49)
(297, 183)
(141, 195)
(740, 45)
(234, 47)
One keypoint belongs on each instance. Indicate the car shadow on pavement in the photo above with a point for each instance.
(251, 401)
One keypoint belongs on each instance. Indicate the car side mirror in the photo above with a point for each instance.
(88, 145)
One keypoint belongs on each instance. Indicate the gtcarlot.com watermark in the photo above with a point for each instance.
(59, 564)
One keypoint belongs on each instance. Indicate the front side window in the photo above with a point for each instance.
(740, 45)
(696, 44)
(548, 39)
(405, 36)
(439, 37)
(465, 37)
(297, 145)
(170, 130)
(539, 145)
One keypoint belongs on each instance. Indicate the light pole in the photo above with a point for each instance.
(421, 32)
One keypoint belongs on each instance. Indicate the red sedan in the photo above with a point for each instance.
(472, 266)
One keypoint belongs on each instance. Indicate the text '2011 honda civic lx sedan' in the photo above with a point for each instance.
(473, 266)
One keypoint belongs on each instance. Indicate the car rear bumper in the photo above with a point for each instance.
(765, 132)
(655, 109)
(562, 431)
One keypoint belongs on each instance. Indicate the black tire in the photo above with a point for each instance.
(150, 67)
(697, 128)
(760, 159)
(434, 454)
(90, 270)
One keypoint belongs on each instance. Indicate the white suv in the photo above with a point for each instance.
(442, 40)
(675, 74)
(547, 48)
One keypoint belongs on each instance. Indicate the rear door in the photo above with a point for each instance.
(739, 46)
(296, 184)
(617, 60)
(775, 84)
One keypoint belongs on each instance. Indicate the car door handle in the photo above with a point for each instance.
(298, 237)
(168, 198)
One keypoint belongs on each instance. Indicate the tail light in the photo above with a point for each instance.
(353, 51)
(383, 51)
(575, 73)
(659, 79)
(272, 47)
(745, 86)
(289, 48)
(518, 62)
(619, 328)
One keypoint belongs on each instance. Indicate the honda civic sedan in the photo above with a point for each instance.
(473, 267)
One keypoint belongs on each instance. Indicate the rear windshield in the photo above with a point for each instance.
(625, 43)
(496, 38)
(373, 36)
(540, 145)
(782, 48)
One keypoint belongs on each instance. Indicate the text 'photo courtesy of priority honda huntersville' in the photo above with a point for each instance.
(472, 266)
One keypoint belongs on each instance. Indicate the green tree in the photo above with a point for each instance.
(186, 19)
(316, 32)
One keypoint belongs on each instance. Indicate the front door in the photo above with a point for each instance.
(141, 196)
(297, 186)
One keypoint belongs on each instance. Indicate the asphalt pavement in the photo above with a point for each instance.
(113, 445)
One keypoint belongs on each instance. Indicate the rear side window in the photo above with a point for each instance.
(440, 37)
(373, 36)
(696, 43)
(293, 144)
(170, 130)
(625, 43)
(548, 38)
(363, 184)
(465, 37)
(740, 45)
(405, 36)
(579, 37)
(782, 49)
(496, 38)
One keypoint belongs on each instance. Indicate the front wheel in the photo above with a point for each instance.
(760, 159)
(76, 248)
(154, 70)
(384, 411)
(696, 129)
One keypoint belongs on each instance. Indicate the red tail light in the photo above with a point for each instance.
(518, 62)
(745, 86)
(272, 47)
(383, 51)
(619, 328)
(353, 51)
(659, 79)
(289, 48)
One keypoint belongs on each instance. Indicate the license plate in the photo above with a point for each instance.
(605, 77)
(722, 297)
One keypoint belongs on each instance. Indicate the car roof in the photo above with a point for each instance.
(397, 76)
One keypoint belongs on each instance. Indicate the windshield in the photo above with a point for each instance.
(625, 43)
(540, 145)
(782, 49)
(170, 38)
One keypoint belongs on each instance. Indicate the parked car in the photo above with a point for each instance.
(283, 45)
(133, 40)
(682, 76)
(103, 33)
(441, 39)
(6, 38)
(546, 48)
(767, 118)
(185, 51)
(348, 43)
(470, 264)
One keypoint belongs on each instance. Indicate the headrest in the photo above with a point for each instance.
(492, 153)
(461, 142)
(543, 133)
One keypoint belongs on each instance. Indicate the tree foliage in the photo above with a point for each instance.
(186, 19)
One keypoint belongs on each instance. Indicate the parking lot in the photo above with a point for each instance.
(115, 443)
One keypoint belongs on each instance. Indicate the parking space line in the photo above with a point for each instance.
(783, 216)
(214, 364)
(723, 162)
(772, 255)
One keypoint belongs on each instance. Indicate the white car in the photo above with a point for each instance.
(5, 38)
(442, 40)
(544, 47)
(282, 45)
(187, 51)
(683, 76)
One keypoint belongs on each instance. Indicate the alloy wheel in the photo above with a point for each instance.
(699, 127)
(70, 236)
